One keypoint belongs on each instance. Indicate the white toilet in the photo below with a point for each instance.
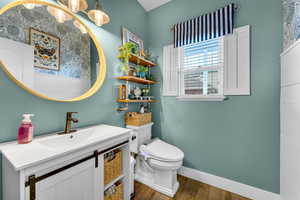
(157, 161)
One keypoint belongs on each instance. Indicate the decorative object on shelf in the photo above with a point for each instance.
(147, 98)
(97, 15)
(46, 49)
(148, 54)
(142, 109)
(137, 92)
(153, 59)
(124, 55)
(122, 92)
(131, 71)
(145, 92)
(128, 36)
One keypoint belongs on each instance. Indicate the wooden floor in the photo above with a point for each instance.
(189, 190)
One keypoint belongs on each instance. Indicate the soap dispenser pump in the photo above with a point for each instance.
(26, 130)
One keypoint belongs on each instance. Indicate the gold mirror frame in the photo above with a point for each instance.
(102, 71)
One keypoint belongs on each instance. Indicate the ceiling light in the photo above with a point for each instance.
(29, 5)
(75, 5)
(59, 15)
(98, 16)
(80, 27)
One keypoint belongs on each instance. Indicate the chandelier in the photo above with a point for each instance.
(97, 15)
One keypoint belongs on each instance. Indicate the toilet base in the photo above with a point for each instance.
(164, 181)
(164, 190)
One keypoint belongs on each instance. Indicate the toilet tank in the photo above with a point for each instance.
(142, 135)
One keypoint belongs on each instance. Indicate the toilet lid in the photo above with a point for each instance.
(164, 151)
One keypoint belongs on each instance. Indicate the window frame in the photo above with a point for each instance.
(210, 97)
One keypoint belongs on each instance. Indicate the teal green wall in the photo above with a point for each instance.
(236, 139)
(239, 138)
(101, 108)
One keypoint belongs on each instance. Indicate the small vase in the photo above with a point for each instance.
(142, 74)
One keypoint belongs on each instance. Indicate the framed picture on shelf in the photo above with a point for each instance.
(46, 50)
(128, 36)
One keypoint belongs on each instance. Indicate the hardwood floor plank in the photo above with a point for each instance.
(203, 192)
(216, 194)
(188, 190)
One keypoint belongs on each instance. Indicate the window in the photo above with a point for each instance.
(201, 70)
(209, 70)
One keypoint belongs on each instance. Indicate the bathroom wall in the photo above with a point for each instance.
(236, 139)
(100, 108)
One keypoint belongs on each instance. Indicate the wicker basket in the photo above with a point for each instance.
(138, 119)
(118, 194)
(112, 166)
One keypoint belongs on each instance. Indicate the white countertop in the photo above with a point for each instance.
(52, 146)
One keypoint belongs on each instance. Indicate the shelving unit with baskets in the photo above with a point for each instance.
(116, 174)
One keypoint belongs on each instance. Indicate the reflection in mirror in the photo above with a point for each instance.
(48, 51)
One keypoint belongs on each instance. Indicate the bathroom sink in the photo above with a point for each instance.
(74, 139)
(48, 147)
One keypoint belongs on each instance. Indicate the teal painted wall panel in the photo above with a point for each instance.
(239, 138)
(100, 108)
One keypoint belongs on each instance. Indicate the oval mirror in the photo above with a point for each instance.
(49, 51)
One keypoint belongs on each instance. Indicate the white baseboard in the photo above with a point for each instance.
(229, 185)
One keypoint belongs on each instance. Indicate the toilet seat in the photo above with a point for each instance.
(162, 165)
(162, 152)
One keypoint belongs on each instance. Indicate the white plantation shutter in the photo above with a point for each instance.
(202, 70)
(237, 62)
(171, 62)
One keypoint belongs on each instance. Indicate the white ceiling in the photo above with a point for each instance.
(152, 4)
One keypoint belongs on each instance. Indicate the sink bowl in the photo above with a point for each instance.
(70, 140)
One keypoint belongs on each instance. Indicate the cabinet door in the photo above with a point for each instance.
(81, 182)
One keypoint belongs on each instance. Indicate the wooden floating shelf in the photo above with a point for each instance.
(141, 61)
(135, 101)
(136, 80)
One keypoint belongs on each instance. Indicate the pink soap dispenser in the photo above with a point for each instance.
(26, 130)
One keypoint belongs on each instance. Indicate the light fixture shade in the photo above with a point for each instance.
(29, 5)
(75, 5)
(98, 16)
(78, 25)
(60, 15)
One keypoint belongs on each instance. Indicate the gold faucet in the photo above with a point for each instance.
(69, 120)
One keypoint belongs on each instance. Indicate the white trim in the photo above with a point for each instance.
(201, 98)
(229, 185)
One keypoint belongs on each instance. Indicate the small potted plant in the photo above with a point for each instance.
(124, 55)
(142, 71)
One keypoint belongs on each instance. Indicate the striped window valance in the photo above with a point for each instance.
(205, 27)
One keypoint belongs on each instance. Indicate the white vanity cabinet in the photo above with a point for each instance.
(70, 175)
(81, 182)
